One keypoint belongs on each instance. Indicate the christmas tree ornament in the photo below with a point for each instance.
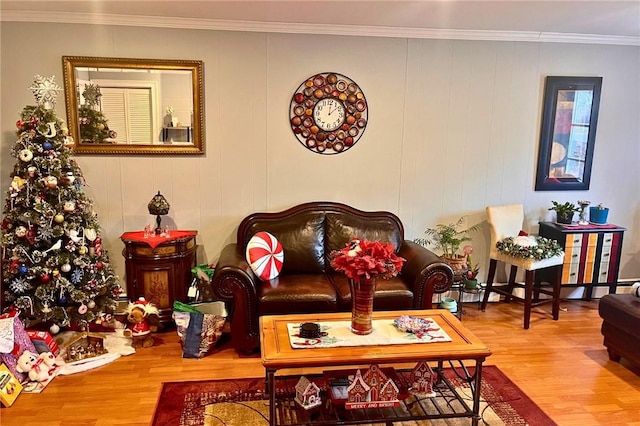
(65, 268)
(32, 171)
(69, 142)
(47, 145)
(45, 90)
(45, 278)
(90, 234)
(69, 177)
(99, 265)
(51, 182)
(100, 126)
(54, 329)
(82, 250)
(22, 270)
(69, 206)
(20, 125)
(25, 155)
(45, 308)
(56, 246)
(82, 309)
(47, 131)
(91, 304)
(55, 273)
(58, 218)
(74, 236)
(21, 231)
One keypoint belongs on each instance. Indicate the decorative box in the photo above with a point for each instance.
(10, 387)
(43, 342)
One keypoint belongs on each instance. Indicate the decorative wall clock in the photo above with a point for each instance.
(328, 113)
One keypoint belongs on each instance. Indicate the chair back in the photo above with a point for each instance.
(504, 221)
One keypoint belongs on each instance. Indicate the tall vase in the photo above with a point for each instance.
(362, 292)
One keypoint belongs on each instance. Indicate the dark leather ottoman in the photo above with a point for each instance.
(621, 326)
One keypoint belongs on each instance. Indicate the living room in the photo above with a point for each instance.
(454, 123)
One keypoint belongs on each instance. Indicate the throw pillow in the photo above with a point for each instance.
(265, 255)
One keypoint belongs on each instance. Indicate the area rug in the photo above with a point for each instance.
(243, 402)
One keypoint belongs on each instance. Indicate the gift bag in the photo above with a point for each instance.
(13, 341)
(199, 326)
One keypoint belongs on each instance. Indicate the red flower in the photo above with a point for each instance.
(364, 258)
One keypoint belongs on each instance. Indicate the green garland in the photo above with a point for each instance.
(544, 249)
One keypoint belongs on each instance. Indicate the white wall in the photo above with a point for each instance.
(453, 127)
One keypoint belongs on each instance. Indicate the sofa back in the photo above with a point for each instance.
(309, 232)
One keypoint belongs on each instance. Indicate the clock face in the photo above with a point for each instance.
(328, 113)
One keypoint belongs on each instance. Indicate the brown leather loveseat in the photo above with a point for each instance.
(307, 283)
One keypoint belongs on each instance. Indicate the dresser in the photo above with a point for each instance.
(592, 254)
(159, 268)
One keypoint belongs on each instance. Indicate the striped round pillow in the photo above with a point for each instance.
(265, 255)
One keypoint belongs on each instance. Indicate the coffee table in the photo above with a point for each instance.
(278, 354)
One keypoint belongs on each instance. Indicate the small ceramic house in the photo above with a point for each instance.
(373, 389)
(85, 345)
(423, 378)
(307, 393)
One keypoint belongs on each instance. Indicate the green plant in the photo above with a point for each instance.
(564, 209)
(600, 206)
(447, 238)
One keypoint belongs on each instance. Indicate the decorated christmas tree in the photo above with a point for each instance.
(93, 123)
(54, 267)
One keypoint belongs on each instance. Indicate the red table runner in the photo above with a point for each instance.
(156, 240)
(590, 226)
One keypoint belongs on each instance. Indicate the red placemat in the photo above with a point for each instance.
(156, 240)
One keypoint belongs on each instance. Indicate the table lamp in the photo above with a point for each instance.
(158, 206)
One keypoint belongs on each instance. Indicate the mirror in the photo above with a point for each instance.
(567, 138)
(134, 106)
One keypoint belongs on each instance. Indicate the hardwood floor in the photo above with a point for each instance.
(561, 365)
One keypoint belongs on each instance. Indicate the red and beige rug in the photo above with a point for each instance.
(243, 402)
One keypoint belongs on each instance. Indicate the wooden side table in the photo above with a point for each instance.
(159, 268)
(592, 254)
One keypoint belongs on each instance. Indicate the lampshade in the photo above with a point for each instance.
(158, 206)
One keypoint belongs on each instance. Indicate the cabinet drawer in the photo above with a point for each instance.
(573, 240)
(603, 276)
(607, 240)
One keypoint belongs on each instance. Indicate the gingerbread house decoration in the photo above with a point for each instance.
(373, 389)
(85, 345)
(307, 394)
(422, 380)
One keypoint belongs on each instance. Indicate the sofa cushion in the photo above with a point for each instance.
(341, 228)
(621, 311)
(297, 293)
(392, 294)
(302, 238)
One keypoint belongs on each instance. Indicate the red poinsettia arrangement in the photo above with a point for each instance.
(367, 259)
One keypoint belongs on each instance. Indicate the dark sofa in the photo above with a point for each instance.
(621, 326)
(307, 283)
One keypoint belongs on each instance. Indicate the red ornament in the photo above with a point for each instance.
(99, 265)
(20, 125)
(45, 278)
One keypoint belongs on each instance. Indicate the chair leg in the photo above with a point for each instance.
(512, 280)
(528, 294)
(490, 276)
(557, 284)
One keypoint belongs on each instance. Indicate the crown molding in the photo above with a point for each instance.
(317, 29)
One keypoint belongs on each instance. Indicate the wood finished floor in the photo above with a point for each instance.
(561, 365)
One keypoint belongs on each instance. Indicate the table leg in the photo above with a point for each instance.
(270, 387)
(476, 393)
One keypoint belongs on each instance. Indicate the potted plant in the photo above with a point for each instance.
(448, 238)
(598, 214)
(564, 212)
(471, 276)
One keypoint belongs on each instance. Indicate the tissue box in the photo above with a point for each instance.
(43, 342)
(10, 387)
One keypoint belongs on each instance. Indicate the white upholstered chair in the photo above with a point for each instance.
(506, 221)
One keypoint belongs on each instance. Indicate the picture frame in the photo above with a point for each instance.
(568, 132)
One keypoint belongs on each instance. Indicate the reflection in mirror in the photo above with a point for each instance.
(567, 138)
(134, 106)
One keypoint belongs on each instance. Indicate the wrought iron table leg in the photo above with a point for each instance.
(270, 387)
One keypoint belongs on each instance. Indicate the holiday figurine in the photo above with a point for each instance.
(142, 319)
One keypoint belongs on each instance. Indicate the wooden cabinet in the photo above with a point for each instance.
(161, 274)
(592, 254)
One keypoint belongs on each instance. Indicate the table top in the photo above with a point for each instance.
(277, 351)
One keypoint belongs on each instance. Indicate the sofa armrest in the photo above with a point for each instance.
(425, 273)
(235, 283)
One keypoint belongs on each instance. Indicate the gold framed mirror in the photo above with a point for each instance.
(134, 106)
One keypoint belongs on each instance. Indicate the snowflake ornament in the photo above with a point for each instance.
(45, 91)
(91, 95)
